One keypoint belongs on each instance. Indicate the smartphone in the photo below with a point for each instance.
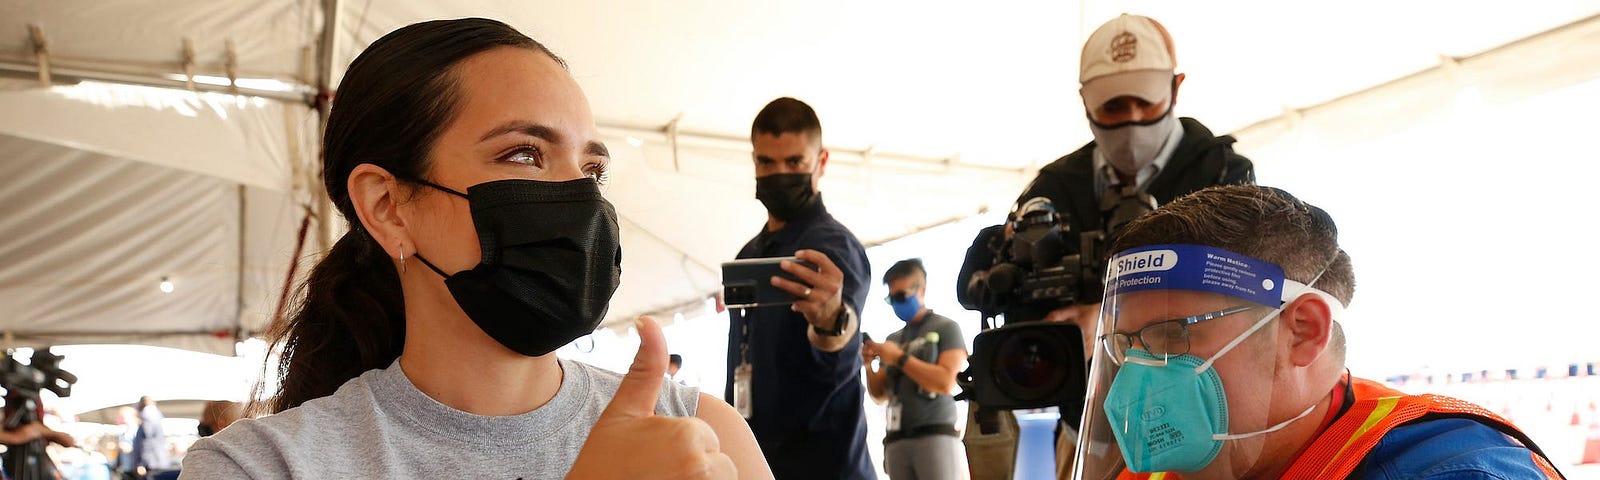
(747, 283)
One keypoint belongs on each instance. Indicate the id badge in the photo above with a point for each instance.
(892, 423)
(741, 391)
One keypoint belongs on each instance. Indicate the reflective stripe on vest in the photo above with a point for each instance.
(1376, 411)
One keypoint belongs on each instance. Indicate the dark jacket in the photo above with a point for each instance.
(809, 418)
(1201, 160)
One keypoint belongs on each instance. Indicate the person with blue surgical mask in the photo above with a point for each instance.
(1220, 356)
(916, 376)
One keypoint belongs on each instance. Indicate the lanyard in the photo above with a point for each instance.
(744, 336)
(905, 350)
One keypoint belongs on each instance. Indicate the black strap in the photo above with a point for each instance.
(920, 431)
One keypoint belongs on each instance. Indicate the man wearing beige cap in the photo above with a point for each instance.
(1129, 87)
(1141, 152)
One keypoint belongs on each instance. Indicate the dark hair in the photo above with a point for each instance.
(787, 115)
(395, 99)
(1261, 222)
(903, 269)
(675, 359)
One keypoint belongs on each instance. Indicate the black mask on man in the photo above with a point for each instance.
(551, 261)
(785, 194)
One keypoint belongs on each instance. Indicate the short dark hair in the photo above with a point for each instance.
(675, 359)
(787, 115)
(1262, 222)
(903, 269)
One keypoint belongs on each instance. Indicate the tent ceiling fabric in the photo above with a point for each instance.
(270, 38)
(89, 238)
(980, 84)
(246, 140)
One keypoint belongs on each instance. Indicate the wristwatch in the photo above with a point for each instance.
(839, 323)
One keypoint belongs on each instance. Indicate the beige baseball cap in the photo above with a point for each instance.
(1131, 55)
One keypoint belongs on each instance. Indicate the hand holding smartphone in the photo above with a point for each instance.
(747, 283)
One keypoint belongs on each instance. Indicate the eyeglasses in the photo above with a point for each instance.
(901, 296)
(1166, 338)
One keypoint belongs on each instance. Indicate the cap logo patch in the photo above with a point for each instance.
(1124, 48)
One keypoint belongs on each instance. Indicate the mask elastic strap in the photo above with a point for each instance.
(419, 254)
(1302, 290)
(430, 265)
(444, 189)
(1274, 428)
(1264, 320)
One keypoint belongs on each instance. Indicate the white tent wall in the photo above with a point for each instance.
(1457, 192)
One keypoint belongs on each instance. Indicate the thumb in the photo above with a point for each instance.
(636, 396)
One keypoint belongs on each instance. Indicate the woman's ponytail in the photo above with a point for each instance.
(352, 320)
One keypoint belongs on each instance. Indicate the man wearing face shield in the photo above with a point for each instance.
(799, 364)
(1219, 354)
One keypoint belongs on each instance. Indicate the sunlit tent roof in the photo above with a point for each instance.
(173, 140)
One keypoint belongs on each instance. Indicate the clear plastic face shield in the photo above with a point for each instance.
(1182, 375)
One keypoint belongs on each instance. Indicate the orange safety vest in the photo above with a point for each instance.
(1377, 410)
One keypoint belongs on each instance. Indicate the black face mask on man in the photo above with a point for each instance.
(785, 194)
(551, 261)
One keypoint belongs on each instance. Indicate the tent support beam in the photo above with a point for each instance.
(324, 103)
(676, 135)
(244, 256)
(62, 75)
(1449, 66)
(41, 51)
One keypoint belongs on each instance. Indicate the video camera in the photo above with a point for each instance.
(43, 372)
(1024, 270)
(23, 384)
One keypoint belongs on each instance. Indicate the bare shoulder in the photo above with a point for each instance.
(735, 437)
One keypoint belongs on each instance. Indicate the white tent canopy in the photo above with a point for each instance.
(935, 111)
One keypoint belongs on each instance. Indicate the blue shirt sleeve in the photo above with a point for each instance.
(1450, 449)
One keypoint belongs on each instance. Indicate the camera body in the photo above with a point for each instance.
(1024, 270)
(43, 372)
(23, 384)
(1034, 271)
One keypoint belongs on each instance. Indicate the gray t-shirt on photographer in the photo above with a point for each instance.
(918, 406)
(379, 425)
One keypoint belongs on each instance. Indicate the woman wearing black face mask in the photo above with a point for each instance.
(466, 161)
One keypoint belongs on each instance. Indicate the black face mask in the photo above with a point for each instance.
(785, 194)
(551, 260)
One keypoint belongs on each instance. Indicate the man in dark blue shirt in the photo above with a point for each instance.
(800, 361)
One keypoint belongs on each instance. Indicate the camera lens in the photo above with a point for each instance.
(739, 295)
(1028, 366)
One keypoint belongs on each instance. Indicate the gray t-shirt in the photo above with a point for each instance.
(379, 425)
(920, 407)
